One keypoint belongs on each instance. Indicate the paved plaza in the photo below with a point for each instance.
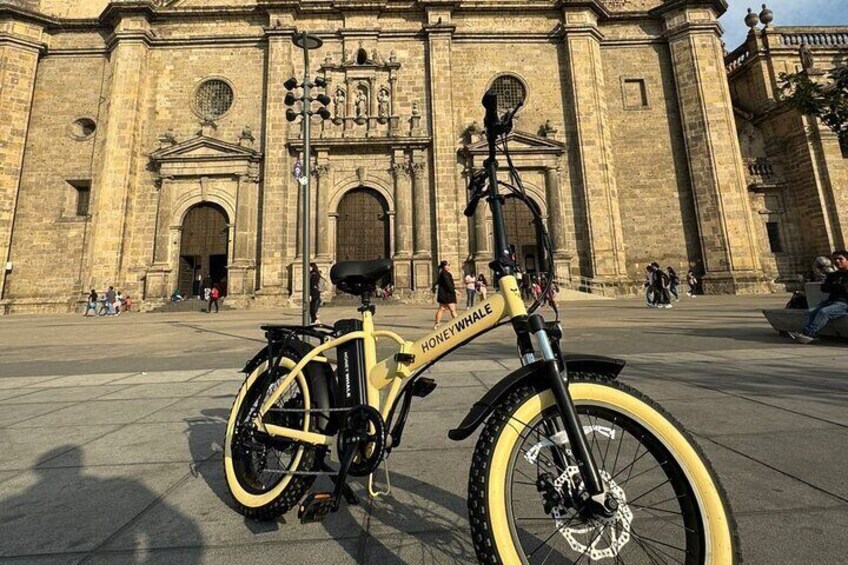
(111, 433)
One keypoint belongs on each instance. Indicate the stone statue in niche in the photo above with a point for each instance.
(339, 103)
(383, 103)
(361, 104)
(377, 58)
(806, 55)
(393, 56)
(415, 110)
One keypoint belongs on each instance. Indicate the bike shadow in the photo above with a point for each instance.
(421, 521)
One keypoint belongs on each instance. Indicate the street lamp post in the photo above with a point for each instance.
(306, 42)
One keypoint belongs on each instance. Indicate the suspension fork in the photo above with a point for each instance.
(573, 429)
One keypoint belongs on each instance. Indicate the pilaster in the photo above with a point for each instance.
(120, 137)
(585, 74)
(448, 214)
(725, 225)
(20, 47)
(403, 221)
(279, 212)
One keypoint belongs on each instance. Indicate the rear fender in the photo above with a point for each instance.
(319, 378)
(533, 374)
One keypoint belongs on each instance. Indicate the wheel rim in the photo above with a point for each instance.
(716, 545)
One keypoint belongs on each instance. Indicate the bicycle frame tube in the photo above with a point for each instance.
(389, 371)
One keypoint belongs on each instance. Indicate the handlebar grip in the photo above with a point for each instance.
(490, 103)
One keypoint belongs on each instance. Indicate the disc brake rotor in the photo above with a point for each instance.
(586, 537)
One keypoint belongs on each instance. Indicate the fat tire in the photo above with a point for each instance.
(298, 486)
(481, 462)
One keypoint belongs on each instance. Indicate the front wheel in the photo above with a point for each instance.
(526, 501)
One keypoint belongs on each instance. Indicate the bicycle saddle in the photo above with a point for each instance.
(359, 277)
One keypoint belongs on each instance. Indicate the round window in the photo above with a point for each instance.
(83, 128)
(510, 91)
(213, 98)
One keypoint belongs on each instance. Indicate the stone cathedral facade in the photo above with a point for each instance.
(144, 145)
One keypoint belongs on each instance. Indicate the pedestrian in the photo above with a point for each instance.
(692, 281)
(470, 290)
(207, 290)
(91, 304)
(834, 306)
(551, 292)
(673, 283)
(662, 298)
(445, 293)
(315, 284)
(649, 287)
(482, 286)
(119, 299)
(111, 295)
(176, 296)
(214, 295)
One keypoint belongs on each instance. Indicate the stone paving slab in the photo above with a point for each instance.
(81, 380)
(159, 390)
(795, 538)
(161, 377)
(95, 413)
(24, 448)
(16, 383)
(65, 394)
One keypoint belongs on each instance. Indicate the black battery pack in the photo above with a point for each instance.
(350, 370)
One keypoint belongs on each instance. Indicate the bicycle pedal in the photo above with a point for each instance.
(423, 386)
(316, 507)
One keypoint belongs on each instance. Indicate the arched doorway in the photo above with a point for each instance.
(203, 249)
(362, 231)
(521, 233)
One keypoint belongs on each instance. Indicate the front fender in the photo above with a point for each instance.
(533, 374)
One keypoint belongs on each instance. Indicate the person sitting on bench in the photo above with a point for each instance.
(834, 306)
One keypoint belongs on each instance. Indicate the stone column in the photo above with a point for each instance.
(279, 189)
(556, 225)
(323, 184)
(20, 45)
(241, 272)
(450, 241)
(403, 222)
(422, 260)
(715, 160)
(585, 74)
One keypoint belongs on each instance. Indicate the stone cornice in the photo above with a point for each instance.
(362, 142)
(720, 6)
(23, 14)
(18, 41)
(693, 27)
(118, 8)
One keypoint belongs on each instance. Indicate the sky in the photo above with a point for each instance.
(786, 13)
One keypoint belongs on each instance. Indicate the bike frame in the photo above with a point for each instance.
(390, 372)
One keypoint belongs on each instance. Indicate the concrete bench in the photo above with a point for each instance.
(793, 319)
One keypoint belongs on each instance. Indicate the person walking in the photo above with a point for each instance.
(692, 281)
(649, 287)
(214, 295)
(91, 304)
(470, 290)
(662, 298)
(551, 292)
(110, 301)
(673, 283)
(482, 286)
(833, 307)
(315, 284)
(445, 293)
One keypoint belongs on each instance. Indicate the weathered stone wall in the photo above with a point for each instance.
(49, 239)
(657, 211)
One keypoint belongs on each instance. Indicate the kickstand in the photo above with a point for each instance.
(347, 492)
(372, 491)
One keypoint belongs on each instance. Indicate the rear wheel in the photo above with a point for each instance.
(259, 469)
(526, 498)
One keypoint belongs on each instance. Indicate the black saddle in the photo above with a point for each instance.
(359, 277)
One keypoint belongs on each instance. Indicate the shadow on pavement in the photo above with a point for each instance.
(68, 512)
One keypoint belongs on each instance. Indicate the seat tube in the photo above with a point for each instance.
(370, 348)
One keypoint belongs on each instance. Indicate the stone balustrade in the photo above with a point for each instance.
(818, 38)
(735, 59)
(759, 171)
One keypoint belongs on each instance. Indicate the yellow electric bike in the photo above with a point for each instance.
(571, 464)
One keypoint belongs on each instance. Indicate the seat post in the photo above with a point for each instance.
(366, 303)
